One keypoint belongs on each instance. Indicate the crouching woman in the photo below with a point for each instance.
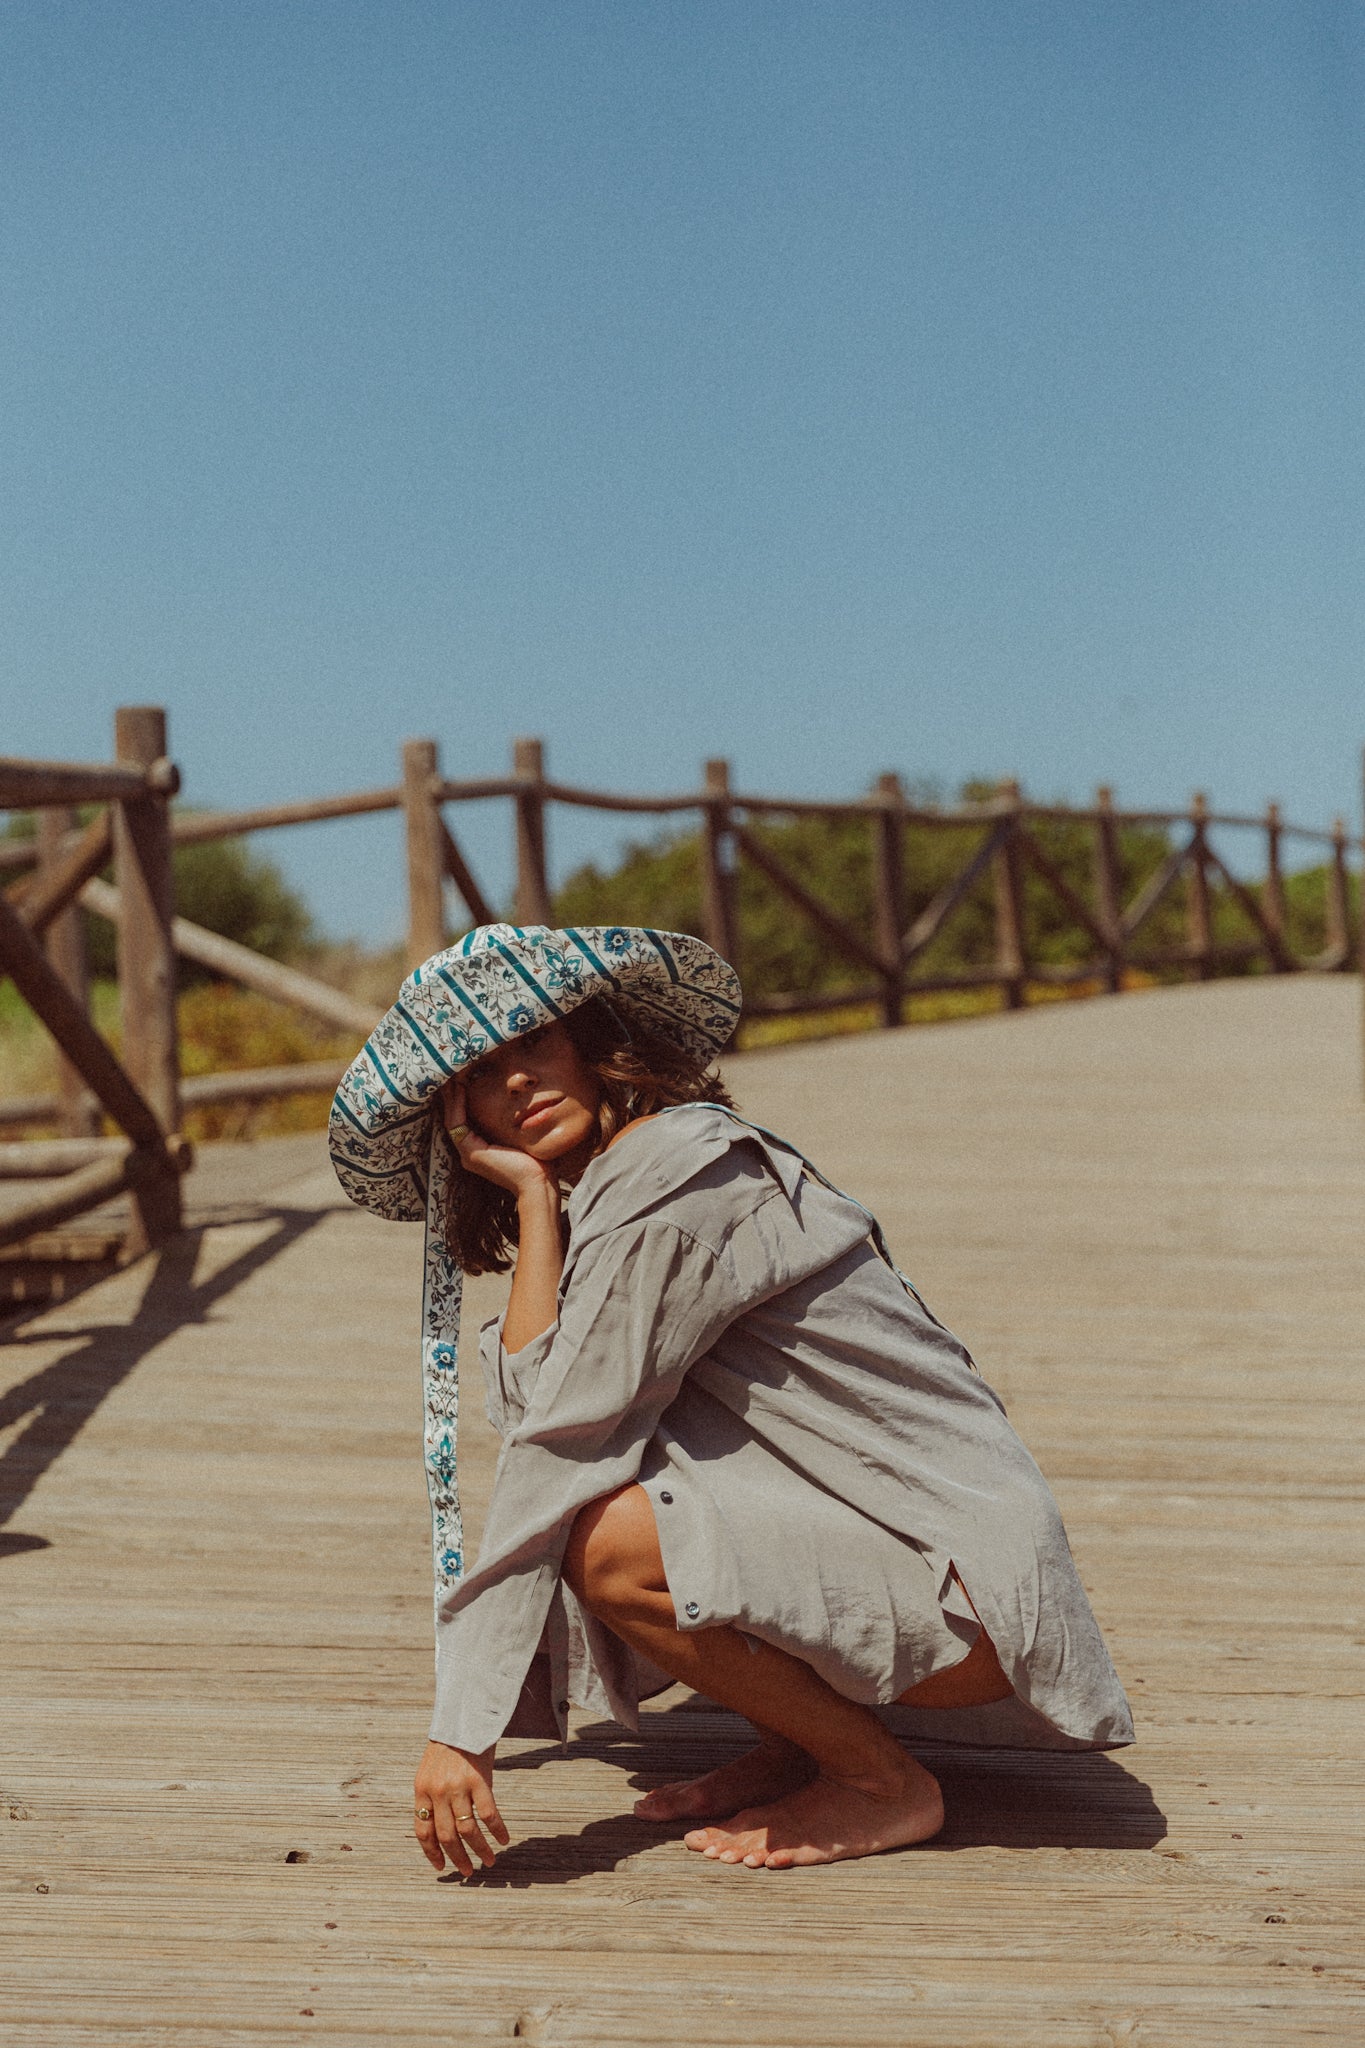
(738, 1450)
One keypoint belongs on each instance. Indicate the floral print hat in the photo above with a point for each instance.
(389, 1147)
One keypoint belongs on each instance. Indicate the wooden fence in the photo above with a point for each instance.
(42, 946)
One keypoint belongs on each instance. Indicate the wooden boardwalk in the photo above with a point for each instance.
(1144, 1216)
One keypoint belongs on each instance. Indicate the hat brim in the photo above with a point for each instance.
(495, 985)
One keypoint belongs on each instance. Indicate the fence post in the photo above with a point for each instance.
(533, 889)
(1011, 965)
(64, 944)
(718, 864)
(426, 867)
(1199, 920)
(1272, 898)
(1109, 885)
(146, 962)
(1339, 900)
(889, 875)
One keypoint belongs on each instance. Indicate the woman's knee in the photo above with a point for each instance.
(612, 1556)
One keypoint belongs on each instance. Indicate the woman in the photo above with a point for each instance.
(738, 1449)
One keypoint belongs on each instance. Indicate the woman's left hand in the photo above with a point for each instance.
(454, 1788)
(506, 1167)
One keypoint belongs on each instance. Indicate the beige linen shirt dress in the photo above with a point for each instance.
(827, 1469)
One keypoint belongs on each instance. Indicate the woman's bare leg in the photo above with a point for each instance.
(866, 1793)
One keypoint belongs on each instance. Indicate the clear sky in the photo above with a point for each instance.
(957, 386)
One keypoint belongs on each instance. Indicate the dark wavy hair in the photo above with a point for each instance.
(640, 1069)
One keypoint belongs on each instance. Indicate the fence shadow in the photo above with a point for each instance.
(60, 1399)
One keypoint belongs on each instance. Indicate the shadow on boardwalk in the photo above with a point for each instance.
(62, 1397)
(995, 1798)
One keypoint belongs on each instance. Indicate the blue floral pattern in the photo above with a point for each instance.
(392, 1155)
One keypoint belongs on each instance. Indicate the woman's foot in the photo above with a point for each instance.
(828, 1820)
(764, 1773)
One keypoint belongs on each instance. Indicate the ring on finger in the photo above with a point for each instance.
(423, 1813)
(462, 1818)
(458, 1133)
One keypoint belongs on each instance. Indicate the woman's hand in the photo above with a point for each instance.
(454, 1787)
(507, 1168)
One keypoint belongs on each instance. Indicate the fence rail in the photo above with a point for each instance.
(58, 874)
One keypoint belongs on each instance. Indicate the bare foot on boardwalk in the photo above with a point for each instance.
(766, 1772)
(826, 1821)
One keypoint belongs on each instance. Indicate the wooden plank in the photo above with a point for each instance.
(262, 1084)
(47, 995)
(238, 963)
(841, 935)
(720, 912)
(1170, 1311)
(146, 961)
(43, 1158)
(533, 884)
(935, 915)
(462, 875)
(422, 822)
(45, 896)
(195, 828)
(84, 1189)
(888, 866)
(64, 943)
(24, 785)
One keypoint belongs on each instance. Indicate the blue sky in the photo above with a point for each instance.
(965, 388)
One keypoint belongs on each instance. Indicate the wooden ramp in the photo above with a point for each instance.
(1143, 1215)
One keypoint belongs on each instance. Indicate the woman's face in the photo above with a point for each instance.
(537, 1095)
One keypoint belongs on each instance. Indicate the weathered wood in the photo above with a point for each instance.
(220, 1570)
(67, 864)
(1338, 901)
(64, 943)
(426, 864)
(719, 907)
(462, 875)
(28, 1109)
(841, 936)
(1198, 912)
(936, 913)
(1157, 886)
(85, 1189)
(533, 886)
(1010, 955)
(44, 1158)
(196, 828)
(606, 800)
(238, 963)
(146, 960)
(262, 1084)
(1108, 872)
(1275, 947)
(124, 1168)
(27, 785)
(52, 1002)
(1272, 896)
(888, 882)
(1044, 865)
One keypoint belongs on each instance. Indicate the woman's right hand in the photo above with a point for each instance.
(454, 1789)
(506, 1167)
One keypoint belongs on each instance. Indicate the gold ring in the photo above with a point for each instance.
(424, 1813)
(462, 1817)
(458, 1133)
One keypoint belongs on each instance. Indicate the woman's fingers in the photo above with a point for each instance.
(486, 1807)
(425, 1831)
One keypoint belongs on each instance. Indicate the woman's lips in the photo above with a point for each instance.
(535, 1119)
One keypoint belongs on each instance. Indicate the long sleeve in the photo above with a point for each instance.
(640, 1304)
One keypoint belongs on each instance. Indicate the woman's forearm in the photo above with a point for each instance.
(534, 1301)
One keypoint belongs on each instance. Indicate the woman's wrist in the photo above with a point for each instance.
(538, 1198)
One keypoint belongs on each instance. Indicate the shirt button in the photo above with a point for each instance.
(691, 1610)
(667, 1499)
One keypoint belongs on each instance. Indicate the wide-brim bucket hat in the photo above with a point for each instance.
(496, 984)
(391, 1152)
